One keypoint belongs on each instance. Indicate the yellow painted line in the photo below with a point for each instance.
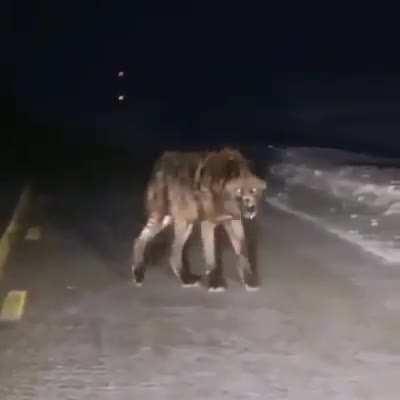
(4, 250)
(13, 306)
(7, 239)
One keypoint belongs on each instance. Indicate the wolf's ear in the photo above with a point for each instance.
(261, 184)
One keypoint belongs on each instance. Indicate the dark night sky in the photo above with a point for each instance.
(193, 58)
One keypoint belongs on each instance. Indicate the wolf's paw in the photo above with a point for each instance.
(138, 276)
(216, 289)
(189, 280)
(215, 281)
(251, 283)
(250, 288)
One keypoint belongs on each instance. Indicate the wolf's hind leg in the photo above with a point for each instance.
(154, 225)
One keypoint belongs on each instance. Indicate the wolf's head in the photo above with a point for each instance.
(227, 174)
(244, 194)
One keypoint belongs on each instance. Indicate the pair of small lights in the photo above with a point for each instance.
(121, 97)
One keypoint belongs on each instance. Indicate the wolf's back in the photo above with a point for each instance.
(173, 171)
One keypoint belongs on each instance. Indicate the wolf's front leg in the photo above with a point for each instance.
(214, 272)
(237, 237)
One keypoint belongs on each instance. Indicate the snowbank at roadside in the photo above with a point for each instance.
(356, 197)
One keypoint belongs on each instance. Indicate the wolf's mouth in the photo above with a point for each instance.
(250, 213)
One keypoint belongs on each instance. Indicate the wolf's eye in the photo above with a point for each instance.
(253, 190)
(239, 191)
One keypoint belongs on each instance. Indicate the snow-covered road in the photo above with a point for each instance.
(324, 324)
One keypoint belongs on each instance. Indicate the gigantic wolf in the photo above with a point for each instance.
(212, 188)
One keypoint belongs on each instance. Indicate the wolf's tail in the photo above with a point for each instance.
(156, 194)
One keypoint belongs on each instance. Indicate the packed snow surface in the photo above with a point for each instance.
(355, 196)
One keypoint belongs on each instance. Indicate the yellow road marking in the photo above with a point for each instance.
(8, 237)
(4, 250)
(14, 305)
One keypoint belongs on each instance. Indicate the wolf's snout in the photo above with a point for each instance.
(251, 208)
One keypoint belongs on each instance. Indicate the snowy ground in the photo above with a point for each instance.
(356, 197)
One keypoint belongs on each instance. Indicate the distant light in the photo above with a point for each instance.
(121, 97)
(121, 74)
